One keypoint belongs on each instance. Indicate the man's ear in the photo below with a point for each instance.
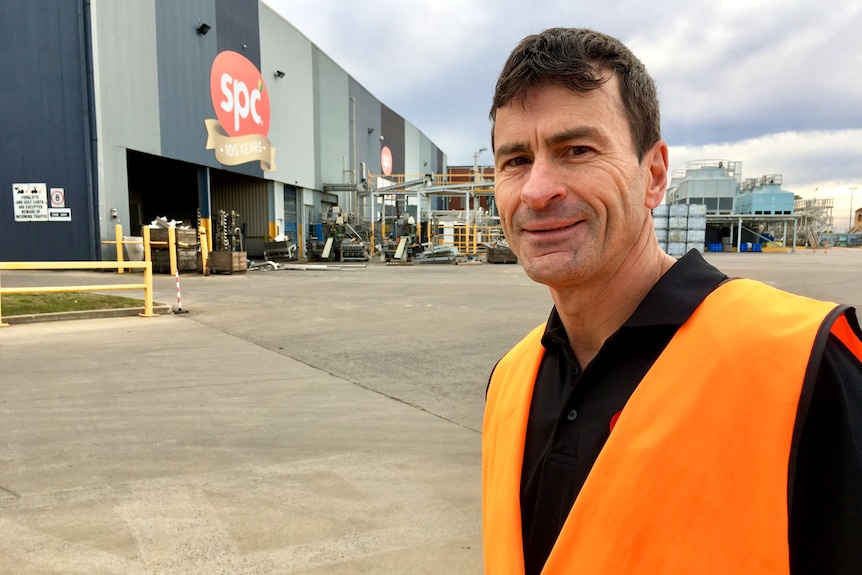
(656, 162)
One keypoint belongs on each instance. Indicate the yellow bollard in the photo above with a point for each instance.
(1, 311)
(118, 231)
(204, 251)
(172, 249)
(148, 291)
(145, 232)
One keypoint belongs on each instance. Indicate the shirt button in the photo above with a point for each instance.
(572, 415)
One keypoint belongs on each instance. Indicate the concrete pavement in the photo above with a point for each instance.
(291, 422)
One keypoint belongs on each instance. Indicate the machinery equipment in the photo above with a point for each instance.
(336, 240)
(402, 244)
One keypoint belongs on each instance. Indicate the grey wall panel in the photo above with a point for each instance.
(368, 132)
(126, 74)
(392, 126)
(125, 78)
(44, 122)
(333, 121)
(291, 99)
(427, 154)
(412, 151)
(184, 60)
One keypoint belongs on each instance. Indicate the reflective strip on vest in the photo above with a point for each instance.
(693, 478)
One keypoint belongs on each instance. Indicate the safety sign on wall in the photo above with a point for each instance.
(58, 212)
(31, 202)
(58, 198)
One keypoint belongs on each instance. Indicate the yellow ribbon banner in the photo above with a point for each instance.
(232, 151)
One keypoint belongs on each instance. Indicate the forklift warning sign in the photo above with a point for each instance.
(31, 202)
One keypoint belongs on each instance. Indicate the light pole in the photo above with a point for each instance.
(470, 191)
(476, 163)
(850, 223)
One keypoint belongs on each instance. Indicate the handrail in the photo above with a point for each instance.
(171, 244)
(147, 286)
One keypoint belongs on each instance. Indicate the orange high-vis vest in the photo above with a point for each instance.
(693, 478)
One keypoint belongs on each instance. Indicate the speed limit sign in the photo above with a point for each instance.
(58, 198)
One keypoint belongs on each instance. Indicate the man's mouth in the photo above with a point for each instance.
(549, 227)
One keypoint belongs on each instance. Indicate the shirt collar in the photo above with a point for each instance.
(671, 301)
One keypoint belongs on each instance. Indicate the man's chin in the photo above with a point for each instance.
(549, 269)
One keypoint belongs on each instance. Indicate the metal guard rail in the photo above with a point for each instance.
(147, 286)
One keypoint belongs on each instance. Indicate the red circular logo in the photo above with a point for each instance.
(239, 95)
(386, 160)
(614, 419)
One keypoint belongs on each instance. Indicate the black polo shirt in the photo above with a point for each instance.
(572, 408)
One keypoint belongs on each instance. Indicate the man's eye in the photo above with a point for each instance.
(517, 161)
(579, 150)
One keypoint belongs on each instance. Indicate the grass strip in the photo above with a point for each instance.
(26, 304)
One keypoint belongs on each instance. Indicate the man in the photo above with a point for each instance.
(665, 419)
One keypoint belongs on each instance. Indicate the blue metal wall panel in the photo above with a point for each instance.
(184, 60)
(238, 28)
(45, 118)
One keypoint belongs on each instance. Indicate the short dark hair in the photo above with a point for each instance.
(575, 59)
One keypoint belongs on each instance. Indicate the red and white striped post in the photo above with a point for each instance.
(179, 295)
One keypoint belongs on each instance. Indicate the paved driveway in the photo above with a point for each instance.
(291, 422)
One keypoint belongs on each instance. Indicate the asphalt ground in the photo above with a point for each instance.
(308, 422)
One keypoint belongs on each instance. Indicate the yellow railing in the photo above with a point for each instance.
(147, 286)
(171, 244)
(486, 175)
(468, 239)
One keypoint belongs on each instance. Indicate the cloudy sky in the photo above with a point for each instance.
(775, 84)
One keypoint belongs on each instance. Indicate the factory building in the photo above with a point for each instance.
(750, 211)
(713, 183)
(123, 112)
(763, 196)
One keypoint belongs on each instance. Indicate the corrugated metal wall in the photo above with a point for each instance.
(367, 126)
(125, 73)
(45, 112)
(291, 99)
(392, 129)
(290, 213)
(183, 77)
(332, 117)
(247, 196)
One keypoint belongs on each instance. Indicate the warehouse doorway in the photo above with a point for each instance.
(160, 187)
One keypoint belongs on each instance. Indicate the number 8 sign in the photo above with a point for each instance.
(58, 198)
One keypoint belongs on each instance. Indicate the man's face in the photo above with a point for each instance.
(569, 188)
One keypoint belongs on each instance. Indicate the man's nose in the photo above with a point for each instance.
(544, 184)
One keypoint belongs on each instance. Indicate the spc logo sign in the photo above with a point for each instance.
(241, 103)
(386, 160)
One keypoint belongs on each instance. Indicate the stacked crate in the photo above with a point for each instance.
(186, 250)
(659, 218)
(696, 236)
(677, 229)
